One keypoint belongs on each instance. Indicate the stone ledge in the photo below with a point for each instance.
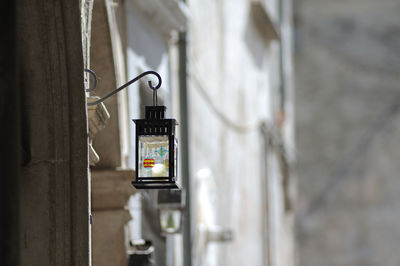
(111, 189)
(109, 237)
(168, 15)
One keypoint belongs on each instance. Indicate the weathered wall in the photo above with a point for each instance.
(348, 103)
(102, 62)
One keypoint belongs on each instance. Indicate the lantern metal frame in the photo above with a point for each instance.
(154, 124)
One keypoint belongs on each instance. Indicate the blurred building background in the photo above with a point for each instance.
(241, 116)
(228, 79)
(348, 131)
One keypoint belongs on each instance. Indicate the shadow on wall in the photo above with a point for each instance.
(254, 42)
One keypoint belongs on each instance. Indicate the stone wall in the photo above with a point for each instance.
(53, 195)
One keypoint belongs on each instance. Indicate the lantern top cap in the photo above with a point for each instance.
(155, 112)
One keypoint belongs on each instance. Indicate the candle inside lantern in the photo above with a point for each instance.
(159, 170)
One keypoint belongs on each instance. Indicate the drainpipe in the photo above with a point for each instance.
(184, 135)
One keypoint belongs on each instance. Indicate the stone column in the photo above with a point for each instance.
(111, 190)
(53, 192)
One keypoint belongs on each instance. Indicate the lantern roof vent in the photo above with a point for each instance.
(155, 112)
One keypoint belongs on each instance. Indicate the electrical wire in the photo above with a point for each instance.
(267, 129)
(240, 128)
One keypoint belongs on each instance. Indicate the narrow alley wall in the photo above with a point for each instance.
(234, 91)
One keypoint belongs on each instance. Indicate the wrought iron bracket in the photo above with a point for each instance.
(102, 99)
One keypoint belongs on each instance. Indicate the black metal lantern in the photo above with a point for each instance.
(156, 150)
(156, 145)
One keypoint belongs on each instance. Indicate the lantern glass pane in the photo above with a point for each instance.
(170, 221)
(153, 156)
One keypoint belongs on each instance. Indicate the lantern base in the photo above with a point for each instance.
(155, 185)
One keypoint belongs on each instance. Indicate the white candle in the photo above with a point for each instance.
(159, 169)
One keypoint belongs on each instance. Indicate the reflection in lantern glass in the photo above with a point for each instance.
(153, 156)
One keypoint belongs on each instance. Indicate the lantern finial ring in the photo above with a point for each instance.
(156, 87)
(150, 83)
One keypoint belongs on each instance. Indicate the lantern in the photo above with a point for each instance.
(156, 150)
(156, 146)
(170, 205)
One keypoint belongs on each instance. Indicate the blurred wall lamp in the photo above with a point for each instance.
(170, 206)
(156, 145)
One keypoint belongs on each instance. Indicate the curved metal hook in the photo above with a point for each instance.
(154, 88)
(91, 72)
